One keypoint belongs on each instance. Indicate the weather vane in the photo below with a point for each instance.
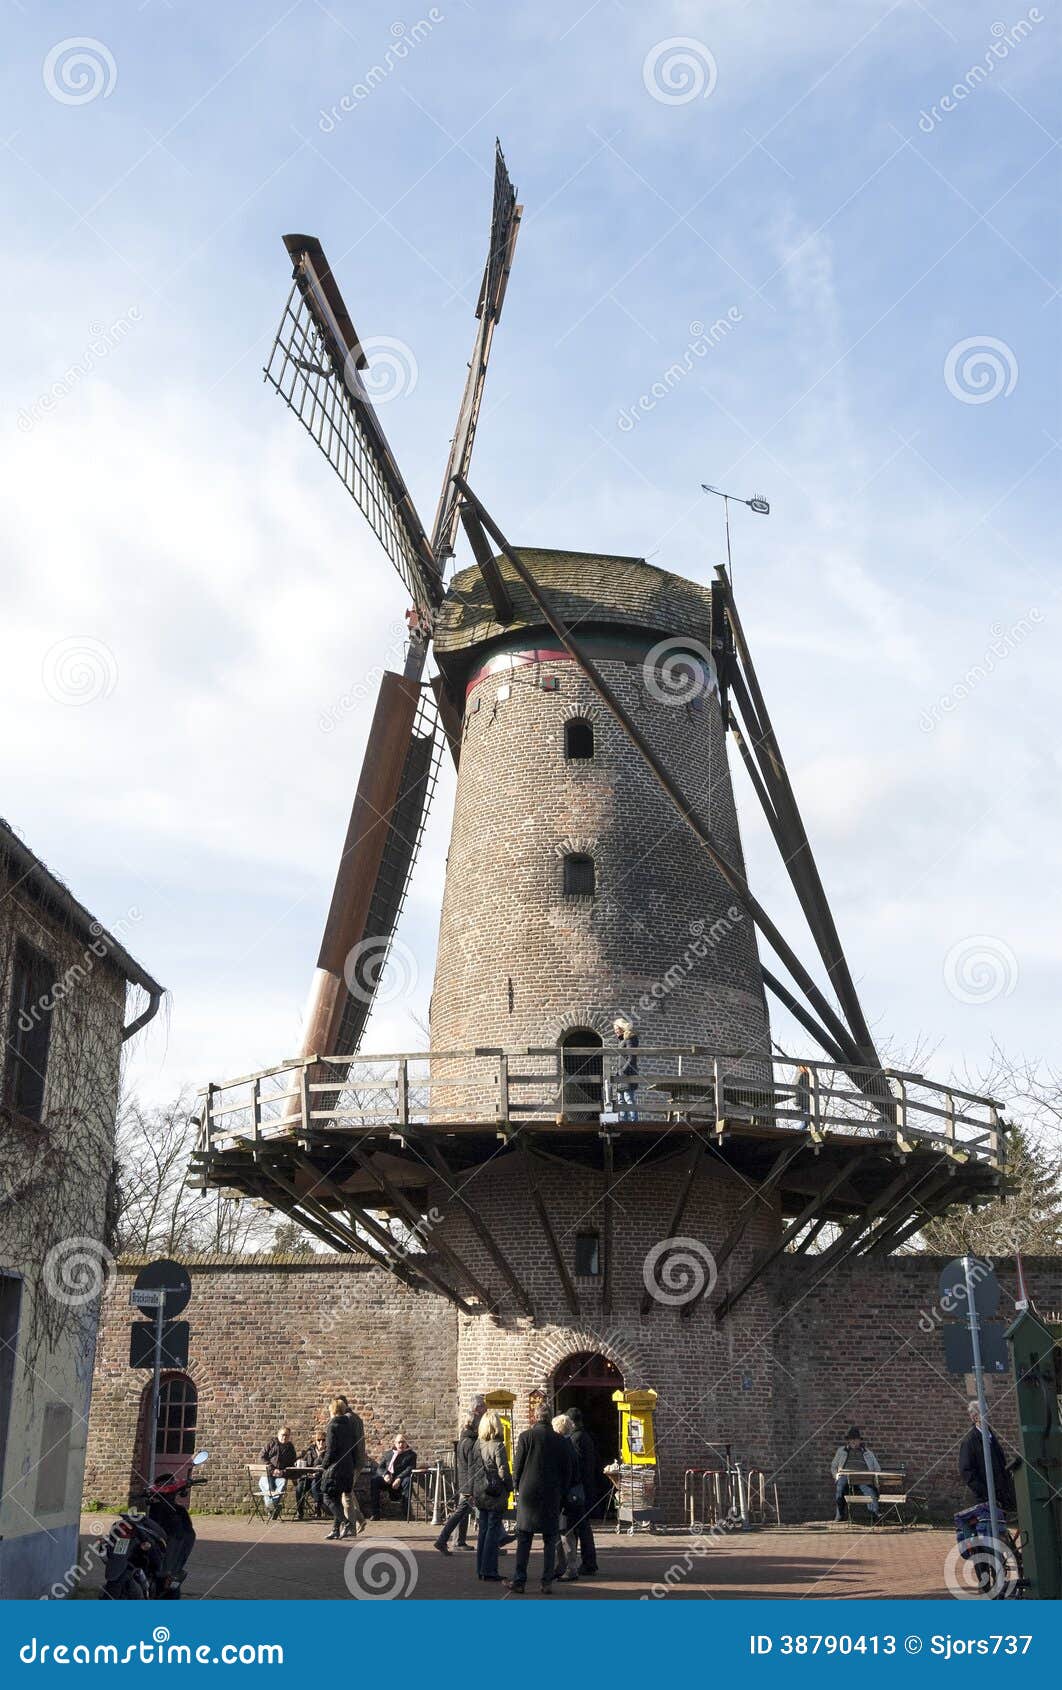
(757, 503)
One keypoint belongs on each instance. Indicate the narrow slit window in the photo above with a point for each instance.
(579, 740)
(29, 1031)
(579, 877)
(587, 1255)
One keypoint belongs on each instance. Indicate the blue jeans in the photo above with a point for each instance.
(868, 1490)
(490, 1531)
(272, 1488)
(627, 1098)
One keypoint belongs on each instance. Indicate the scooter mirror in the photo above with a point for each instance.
(200, 1456)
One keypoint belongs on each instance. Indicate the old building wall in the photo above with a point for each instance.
(271, 1342)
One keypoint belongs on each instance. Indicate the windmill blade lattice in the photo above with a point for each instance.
(315, 366)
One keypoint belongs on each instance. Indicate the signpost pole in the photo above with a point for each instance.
(982, 1404)
(156, 1376)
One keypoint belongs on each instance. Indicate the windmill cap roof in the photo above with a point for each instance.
(585, 589)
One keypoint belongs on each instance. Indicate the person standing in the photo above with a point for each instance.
(458, 1520)
(588, 1475)
(354, 1517)
(543, 1473)
(972, 1463)
(278, 1455)
(853, 1456)
(627, 1072)
(337, 1463)
(491, 1482)
(567, 1563)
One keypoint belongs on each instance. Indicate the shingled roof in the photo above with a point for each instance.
(586, 588)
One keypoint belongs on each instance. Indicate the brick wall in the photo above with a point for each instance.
(270, 1343)
(780, 1381)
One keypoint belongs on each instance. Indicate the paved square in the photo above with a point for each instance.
(288, 1561)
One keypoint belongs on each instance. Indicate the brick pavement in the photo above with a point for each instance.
(288, 1561)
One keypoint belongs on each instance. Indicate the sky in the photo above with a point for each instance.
(195, 614)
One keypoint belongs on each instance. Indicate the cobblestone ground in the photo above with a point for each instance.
(290, 1561)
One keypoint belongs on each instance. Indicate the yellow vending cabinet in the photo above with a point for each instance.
(633, 1476)
(501, 1404)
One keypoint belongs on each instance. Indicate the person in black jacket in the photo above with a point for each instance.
(972, 1463)
(337, 1464)
(310, 1486)
(458, 1520)
(543, 1474)
(393, 1475)
(588, 1475)
(351, 1507)
(279, 1454)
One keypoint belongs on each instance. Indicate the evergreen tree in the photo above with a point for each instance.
(1029, 1218)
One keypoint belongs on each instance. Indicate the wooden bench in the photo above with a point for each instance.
(891, 1486)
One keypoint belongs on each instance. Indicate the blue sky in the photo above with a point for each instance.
(189, 592)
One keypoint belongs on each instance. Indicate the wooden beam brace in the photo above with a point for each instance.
(381, 1233)
(785, 1158)
(695, 1160)
(857, 1229)
(931, 1204)
(808, 1212)
(804, 1016)
(606, 1229)
(415, 1220)
(433, 1155)
(806, 880)
(338, 1233)
(567, 1283)
(488, 565)
(731, 875)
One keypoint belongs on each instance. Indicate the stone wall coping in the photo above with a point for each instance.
(261, 1261)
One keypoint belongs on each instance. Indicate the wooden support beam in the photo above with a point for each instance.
(731, 875)
(414, 1219)
(606, 1229)
(846, 1242)
(804, 1016)
(806, 880)
(318, 1221)
(488, 564)
(567, 1283)
(433, 1155)
(929, 1205)
(810, 1236)
(785, 1158)
(696, 1157)
(809, 1212)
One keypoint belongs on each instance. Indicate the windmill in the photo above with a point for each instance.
(316, 365)
(586, 701)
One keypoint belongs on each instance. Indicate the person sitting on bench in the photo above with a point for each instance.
(853, 1456)
(393, 1474)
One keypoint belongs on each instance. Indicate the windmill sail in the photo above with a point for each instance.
(316, 366)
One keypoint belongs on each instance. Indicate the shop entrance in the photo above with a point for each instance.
(586, 1381)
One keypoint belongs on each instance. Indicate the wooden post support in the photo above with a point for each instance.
(403, 1092)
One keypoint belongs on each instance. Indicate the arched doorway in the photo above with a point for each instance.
(175, 1428)
(581, 1073)
(586, 1381)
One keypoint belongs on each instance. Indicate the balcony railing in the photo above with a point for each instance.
(579, 1090)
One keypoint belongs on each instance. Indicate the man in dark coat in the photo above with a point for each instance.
(588, 1475)
(458, 1520)
(543, 1474)
(972, 1464)
(393, 1474)
(337, 1464)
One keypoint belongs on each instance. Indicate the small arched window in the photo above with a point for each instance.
(579, 877)
(578, 740)
(178, 1416)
